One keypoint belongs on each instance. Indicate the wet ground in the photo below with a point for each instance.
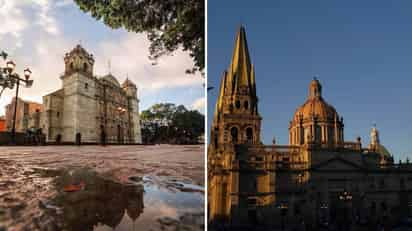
(102, 188)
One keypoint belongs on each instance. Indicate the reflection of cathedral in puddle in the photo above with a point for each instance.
(101, 205)
(317, 178)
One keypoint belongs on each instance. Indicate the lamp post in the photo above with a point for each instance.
(283, 208)
(7, 79)
(121, 111)
(345, 197)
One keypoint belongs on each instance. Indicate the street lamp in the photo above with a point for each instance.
(121, 111)
(10, 65)
(283, 212)
(345, 196)
(10, 78)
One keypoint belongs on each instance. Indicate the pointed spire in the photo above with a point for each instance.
(219, 102)
(240, 67)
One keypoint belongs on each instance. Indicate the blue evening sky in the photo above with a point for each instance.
(360, 50)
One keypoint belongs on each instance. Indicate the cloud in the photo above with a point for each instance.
(129, 57)
(45, 18)
(17, 17)
(12, 23)
(199, 104)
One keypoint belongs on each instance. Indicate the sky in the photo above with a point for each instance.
(359, 50)
(37, 34)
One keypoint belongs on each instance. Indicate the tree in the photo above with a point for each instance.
(4, 55)
(183, 126)
(159, 111)
(3, 84)
(190, 123)
(169, 24)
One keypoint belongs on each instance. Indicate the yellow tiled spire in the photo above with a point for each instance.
(239, 79)
(219, 103)
(240, 68)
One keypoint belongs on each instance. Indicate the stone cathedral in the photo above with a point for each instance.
(90, 109)
(318, 179)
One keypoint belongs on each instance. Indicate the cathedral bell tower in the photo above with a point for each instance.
(79, 94)
(133, 110)
(236, 119)
(78, 60)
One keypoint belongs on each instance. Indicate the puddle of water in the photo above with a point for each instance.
(103, 204)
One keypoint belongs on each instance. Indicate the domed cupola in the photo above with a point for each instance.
(129, 87)
(109, 78)
(316, 121)
(375, 144)
(79, 60)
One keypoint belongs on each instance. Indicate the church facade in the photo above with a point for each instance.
(90, 109)
(318, 179)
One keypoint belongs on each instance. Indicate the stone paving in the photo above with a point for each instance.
(27, 174)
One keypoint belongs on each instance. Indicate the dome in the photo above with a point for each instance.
(111, 79)
(315, 105)
(79, 50)
(375, 144)
(127, 83)
(383, 151)
(316, 121)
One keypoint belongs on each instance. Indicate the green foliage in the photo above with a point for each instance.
(4, 55)
(160, 111)
(169, 24)
(190, 123)
(185, 125)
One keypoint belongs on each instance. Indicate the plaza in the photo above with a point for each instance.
(28, 183)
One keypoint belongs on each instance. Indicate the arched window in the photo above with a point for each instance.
(71, 65)
(237, 104)
(249, 135)
(246, 105)
(216, 138)
(330, 134)
(84, 66)
(234, 134)
(231, 107)
(318, 134)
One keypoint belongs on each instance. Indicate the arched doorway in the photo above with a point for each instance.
(102, 134)
(119, 134)
(234, 133)
(58, 138)
(78, 138)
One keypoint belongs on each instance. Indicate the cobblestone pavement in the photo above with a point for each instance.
(169, 173)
